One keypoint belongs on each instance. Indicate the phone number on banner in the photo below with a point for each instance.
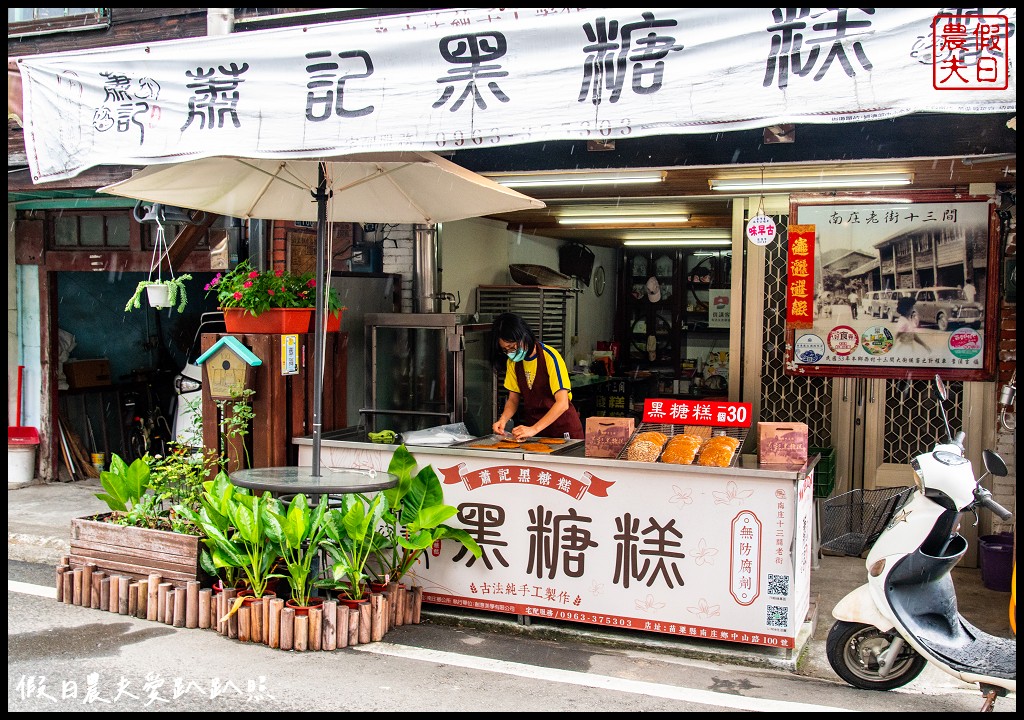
(697, 412)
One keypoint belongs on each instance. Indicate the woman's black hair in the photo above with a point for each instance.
(510, 328)
(904, 306)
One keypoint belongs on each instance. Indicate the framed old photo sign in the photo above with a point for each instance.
(904, 286)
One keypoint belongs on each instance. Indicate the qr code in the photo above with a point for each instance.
(778, 586)
(777, 616)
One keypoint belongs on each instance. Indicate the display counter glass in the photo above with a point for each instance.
(699, 552)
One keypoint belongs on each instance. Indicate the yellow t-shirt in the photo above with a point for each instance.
(558, 374)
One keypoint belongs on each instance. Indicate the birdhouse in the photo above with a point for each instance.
(229, 365)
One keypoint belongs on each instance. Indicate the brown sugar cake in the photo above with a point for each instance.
(717, 451)
(550, 441)
(681, 449)
(535, 447)
(646, 446)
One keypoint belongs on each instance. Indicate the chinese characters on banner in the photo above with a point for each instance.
(971, 52)
(800, 277)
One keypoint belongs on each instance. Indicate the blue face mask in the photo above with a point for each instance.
(517, 356)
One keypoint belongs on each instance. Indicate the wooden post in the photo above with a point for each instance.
(274, 623)
(205, 608)
(153, 598)
(232, 622)
(68, 587)
(378, 605)
(161, 601)
(192, 604)
(287, 628)
(342, 626)
(392, 605)
(400, 603)
(353, 626)
(142, 608)
(364, 623)
(115, 583)
(133, 599)
(180, 607)
(87, 572)
(417, 603)
(329, 641)
(104, 592)
(61, 570)
(95, 599)
(265, 621)
(256, 620)
(244, 631)
(169, 607)
(316, 627)
(122, 594)
(76, 586)
(301, 633)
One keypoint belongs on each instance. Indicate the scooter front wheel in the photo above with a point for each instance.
(853, 650)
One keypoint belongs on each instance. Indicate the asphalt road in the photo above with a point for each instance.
(63, 657)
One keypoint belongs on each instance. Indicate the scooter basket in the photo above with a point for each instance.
(851, 522)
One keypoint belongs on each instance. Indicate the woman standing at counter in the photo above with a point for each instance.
(536, 379)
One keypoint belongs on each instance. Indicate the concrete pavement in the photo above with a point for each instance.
(38, 531)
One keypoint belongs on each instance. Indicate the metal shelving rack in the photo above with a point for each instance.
(544, 308)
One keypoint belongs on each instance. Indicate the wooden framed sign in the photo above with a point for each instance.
(904, 286)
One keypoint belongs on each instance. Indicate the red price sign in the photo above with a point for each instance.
(697, 412)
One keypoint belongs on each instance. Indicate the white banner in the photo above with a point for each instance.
(475, 77)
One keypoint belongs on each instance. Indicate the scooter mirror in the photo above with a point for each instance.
(994, 464)
(940, 388)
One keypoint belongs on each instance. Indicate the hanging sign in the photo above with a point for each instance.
(761, 230)
(697, 412)
(800, 277)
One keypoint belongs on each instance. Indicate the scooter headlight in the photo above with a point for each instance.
(184, 384)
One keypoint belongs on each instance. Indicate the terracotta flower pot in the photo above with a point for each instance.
(350, 603)
(303, 609)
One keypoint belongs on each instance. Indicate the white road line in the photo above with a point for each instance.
(27, 589)
(570, 677)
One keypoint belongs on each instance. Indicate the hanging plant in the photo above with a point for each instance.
(173, 288)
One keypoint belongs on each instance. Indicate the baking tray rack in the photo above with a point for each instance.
(671, 429)
(562, 449)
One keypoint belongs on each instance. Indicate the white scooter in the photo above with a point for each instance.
(906, 615)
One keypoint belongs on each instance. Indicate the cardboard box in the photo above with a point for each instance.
(606, 436)
(781, 443)
(87, 373)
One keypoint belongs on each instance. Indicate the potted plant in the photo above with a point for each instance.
(415, 518)
(353, 533)
(235, 523)
(299, 532)
(283, 301)
(145, 529)
(160, 293)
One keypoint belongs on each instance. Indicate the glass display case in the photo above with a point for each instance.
(428, 369)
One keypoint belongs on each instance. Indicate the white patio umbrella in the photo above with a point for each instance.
(401, 187)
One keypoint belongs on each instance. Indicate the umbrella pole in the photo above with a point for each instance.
(322, 281)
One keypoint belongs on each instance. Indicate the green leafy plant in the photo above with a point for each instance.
(176, 294)
(256, 291)
(298, 532)
(235, 524)
(140, 495)
(236, 416)
(353, 532)
(415, 518)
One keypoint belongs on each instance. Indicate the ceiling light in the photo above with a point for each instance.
(694, 234)
(809, 182)
(621, 219)
(575, 179)
(676, 242)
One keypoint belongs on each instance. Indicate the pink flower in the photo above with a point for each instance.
(254, 274)
(311, 282)
(237, 295)
(270, 292)
(278, 273)
(247, 284)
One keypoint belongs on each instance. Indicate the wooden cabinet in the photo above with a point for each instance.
(674, 311)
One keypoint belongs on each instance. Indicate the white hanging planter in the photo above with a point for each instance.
(158, 295)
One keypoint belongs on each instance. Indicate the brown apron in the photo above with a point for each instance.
(536, 401)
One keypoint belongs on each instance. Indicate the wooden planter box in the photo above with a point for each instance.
(135, 552)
